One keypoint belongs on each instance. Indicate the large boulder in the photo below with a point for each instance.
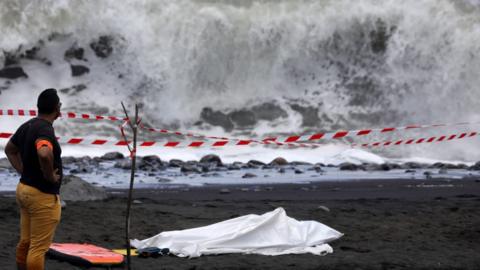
(212, 159)
(76, 189)
(150, 163)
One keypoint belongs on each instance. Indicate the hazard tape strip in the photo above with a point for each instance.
(192, 144)
(70, 115)
(307, 138)
(354, 133)
(433, 139)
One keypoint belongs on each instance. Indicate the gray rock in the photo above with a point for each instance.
(68, 160)
(413, 165)
(74, 53)
(279, 161)
(347, 166)
(216, 118)
(102, 46)
(175, 163)
(112, 156)
(268, 111)
(298, 171)
(76, 189)
(79, 70)
(300, 163)
(475, 167)
(318, 168)
(255, 164)
(125, 164)
(267, 167)
(82, 168)
(242, 118)
(13, 73)
(234, 167)
(163, 180)
(150, 163)
(74, 89)
(249, 175)
(212, 159)
(309, 114)
(186, 168)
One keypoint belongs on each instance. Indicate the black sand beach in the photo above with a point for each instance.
(400, 224)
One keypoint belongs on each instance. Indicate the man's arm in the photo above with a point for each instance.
(45, 158)
(13, 155)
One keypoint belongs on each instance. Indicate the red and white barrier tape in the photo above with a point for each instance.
(191, 144)
(71, 115)
(441, 138)
(271, 140)
(354, 133)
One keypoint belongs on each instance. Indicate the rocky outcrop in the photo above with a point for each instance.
(103, 46)
(12, 73)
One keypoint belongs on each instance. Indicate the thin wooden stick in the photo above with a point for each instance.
(132, 180)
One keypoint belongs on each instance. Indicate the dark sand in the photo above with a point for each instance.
(387, 224)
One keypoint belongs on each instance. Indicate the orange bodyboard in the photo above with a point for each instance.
(84, 254)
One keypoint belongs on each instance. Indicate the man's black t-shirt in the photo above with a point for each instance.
(25, 138)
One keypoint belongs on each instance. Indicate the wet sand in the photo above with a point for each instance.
(388, 224)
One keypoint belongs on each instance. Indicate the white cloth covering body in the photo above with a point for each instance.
(273, 233)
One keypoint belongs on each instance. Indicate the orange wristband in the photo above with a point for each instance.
(42, 143)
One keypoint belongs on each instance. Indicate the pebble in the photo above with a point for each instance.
(224, 191)
(324, 208)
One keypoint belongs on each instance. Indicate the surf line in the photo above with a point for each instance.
(280, 140)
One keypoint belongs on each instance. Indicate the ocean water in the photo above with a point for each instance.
(251, 69)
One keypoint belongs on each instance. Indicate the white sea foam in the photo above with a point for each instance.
(178, 57)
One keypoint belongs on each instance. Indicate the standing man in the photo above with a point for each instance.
(35, 153)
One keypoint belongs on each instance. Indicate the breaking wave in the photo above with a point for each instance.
(251, 68)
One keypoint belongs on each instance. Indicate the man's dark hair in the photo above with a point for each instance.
(48, 101)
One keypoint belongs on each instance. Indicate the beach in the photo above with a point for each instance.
(388, 224)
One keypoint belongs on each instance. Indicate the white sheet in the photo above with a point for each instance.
(273, 233)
